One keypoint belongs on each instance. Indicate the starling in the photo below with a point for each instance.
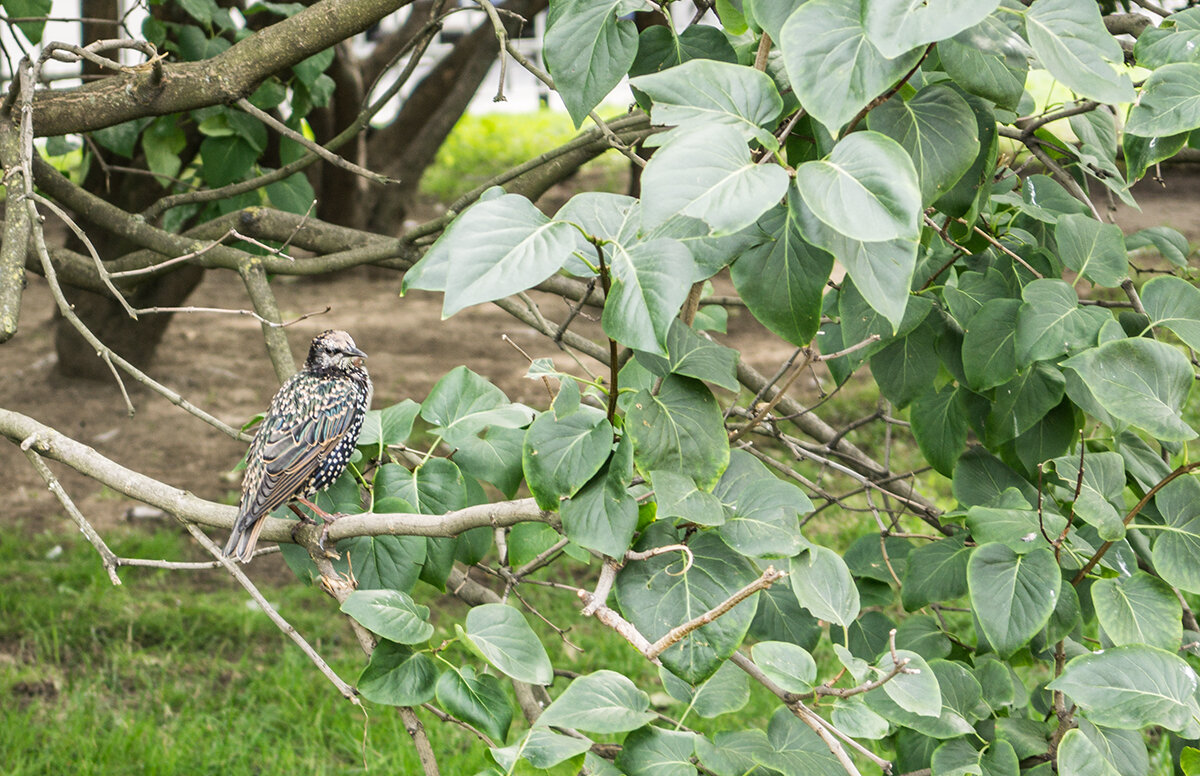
(306, 439)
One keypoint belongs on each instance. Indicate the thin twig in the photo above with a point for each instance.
(345, 689)
(107, 557)
(679, 632)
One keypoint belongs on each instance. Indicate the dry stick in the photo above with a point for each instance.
(502, 37)
(444, 717)
(808, 355)
(319, 150)
(800, 710)
(1178, 472)
(83, 238)
(261, 296)
(232, 567)
(1060, 175)
(227, 311)
(597, 600)
(999, 246)
(180, 565)
(768, 577)
(688, 557)
(107, 556)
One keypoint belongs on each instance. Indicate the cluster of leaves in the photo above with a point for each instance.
(1043, 622)
(214, 146)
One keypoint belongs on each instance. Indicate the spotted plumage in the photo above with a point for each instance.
(306, 438)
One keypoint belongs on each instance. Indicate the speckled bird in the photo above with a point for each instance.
(306, 438)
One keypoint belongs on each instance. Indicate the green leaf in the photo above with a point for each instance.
(561, 455)
(1141, 382)
(917, 692)
(1175, 40)
(1018, 529)
(866, 189)
(938, 130)
(787, 665)
(479, 700)
(1077, 756)
(1176, 549)
(1023, 401)
(653, 751)
(981, 479)
(391, 614)
(501, 633)
(781, 618)
(922, 634)
(1174, 303)
(939, 423)
(798, 751)
(656, 595)
(541, 748)
(1100, 490)
(990, 59)
(702, 94)
(823, 585)
(1169, 103)
(957, 757)
(162, 142)
(949, 724)
(762, 510)
(1051, 322)
(878, 269)
(680, 430)
(603, 515)
(1142, 153)
(433, 488)
(1012, 595)
(293, 194)
(588, 50)
(989, 345)
(782, 280)
(462, 403)
(385, 562)
(226, 159)
(679, 497)
(1093, 249)
(834, 67)
(726, 691)
(121, 138)
(852, 717)
(907, 366)
(1069, 40)
(896, 26)
(692, 355)
(398, 676)
(661, 48)
(1132, 687)
(497, 247)
(309, 70)
(648, 288)
(709, 175)
(35, 9)
(935, 572)
(1140, 609)
(600, 702)
(1170, 244)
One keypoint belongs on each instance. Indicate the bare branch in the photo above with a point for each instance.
(676, 634)
(348, 692)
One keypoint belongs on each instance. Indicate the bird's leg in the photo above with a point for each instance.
(325, 516)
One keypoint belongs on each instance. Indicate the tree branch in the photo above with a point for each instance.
(227, 77)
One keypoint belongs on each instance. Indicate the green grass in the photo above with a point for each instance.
(174, 673)
(483, 146)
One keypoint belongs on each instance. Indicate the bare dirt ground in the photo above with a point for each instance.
(218, 362)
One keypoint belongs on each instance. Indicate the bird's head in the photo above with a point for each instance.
(334, 349)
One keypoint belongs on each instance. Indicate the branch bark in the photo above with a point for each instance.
(227, 77)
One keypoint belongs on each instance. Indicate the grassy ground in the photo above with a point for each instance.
(175, 673)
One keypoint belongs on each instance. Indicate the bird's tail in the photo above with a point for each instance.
(244, 537)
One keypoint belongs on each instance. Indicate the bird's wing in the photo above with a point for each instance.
(299, 431)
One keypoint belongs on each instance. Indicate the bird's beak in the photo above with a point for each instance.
(356, 352)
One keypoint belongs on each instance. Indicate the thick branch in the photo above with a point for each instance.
(227, 77)
(49, 443)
